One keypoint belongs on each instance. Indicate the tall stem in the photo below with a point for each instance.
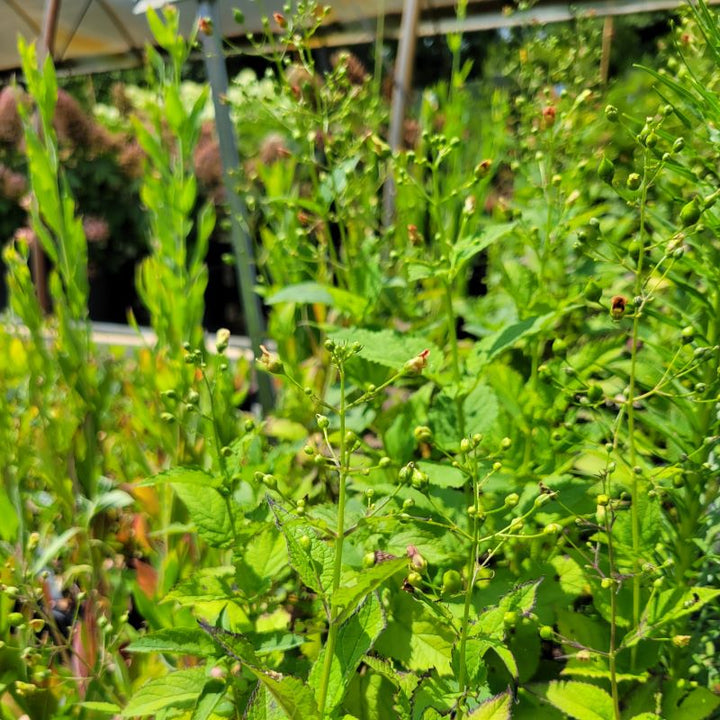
(454, 350)
(472, 572)
(340, 532)
(635, 516)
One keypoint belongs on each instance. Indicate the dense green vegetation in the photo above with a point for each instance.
(489, 486)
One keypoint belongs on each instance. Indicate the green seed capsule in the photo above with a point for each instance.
(592, 292)
(451, 582)
(690, 212)
(606, 170)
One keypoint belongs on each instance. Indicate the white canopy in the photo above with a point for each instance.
(105, 34)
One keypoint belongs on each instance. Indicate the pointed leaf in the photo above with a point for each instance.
(181, 640)
(581, 701)
(416, 637)
(356, 588)
(355, 638)
(208, 511)
(496, 708)
(179, 689)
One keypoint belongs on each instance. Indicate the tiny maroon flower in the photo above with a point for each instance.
(414, 235)
(617, 306)
(205, 26)
(548, 115)
(417, 364)
(280, 20)
(271, 361)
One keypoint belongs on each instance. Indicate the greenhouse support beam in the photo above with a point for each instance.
(239, 232)
(402, 84)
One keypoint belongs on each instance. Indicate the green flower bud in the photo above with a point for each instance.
(322, 422)
(368, 560)
(633, 181)
(606, 170)
(691, 212)
(512, 500)
(546, 632)
(593, 291)
(422, 433)
(451, 582)
(611, 113)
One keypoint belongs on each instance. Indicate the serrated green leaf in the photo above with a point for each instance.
(357, 587)
(263, 706)
(355, 638)
(581, 701)
(669, 606)
(291, 694)
(234, 644)
(466, 248)
(179, 689)
(314, 564)
(101, 707)
(185, 641)
(208, 511)
(417, 638)
(521, 598)
(496, 708)
(210, 697)
(316, 293)
(184, 476)
(387, 347)
(698, 705)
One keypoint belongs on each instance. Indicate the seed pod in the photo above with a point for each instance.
(611, 113)
(606, 170)
(634, 181)
(592, 292)
(451, 582)
(691, 212)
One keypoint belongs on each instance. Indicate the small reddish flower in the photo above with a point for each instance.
(548, 114)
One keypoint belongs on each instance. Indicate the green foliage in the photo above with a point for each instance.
(489, 487)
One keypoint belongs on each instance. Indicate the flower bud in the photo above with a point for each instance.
(271, 362)
(322, 422)
(416, 365)
(611, 113)
(512, 500)
(633, 181)
(691, 212)
(606, 170)
(422, 433)
(592, 292)
(417, 561)
(222, 339)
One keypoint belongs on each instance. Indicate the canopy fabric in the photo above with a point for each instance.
(97, 35)
(94, 34)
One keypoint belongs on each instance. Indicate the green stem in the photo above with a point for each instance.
(612, 652)
(340, 537)
(635, 516)
(454, 350)
(472, 572)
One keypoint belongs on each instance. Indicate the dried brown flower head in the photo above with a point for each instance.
(10, 124)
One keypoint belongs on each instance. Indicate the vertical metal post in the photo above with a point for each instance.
(607, 36)
(239, 232)
(402, 83)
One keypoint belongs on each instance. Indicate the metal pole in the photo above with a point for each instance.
(239, 234)
(402, 83)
